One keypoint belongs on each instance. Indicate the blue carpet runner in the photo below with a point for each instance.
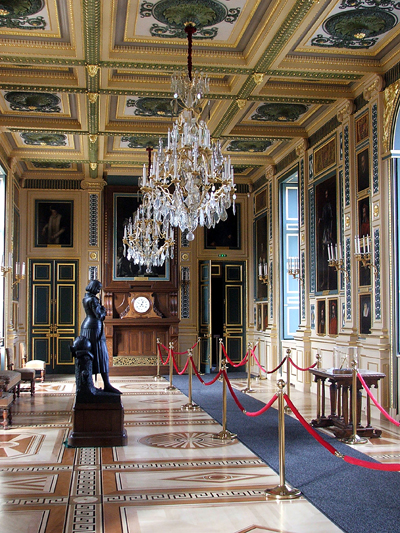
(354, 498)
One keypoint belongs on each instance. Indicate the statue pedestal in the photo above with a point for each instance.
(98, 424)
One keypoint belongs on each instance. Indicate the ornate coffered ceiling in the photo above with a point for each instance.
(85, 84)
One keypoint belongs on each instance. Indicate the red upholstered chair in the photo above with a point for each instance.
(6, 399)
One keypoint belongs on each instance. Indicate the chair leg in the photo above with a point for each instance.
(5, 418)
(33, 387)
(42, 376)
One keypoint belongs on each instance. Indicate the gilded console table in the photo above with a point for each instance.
(340, 417)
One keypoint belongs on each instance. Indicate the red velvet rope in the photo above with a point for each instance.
(381, 409)
(200, 378)
(176, 366)
(269, 371)
(307, 426)
(351, 460)
(302, 369)
(243, 362)
(162, 360)
(254, 413)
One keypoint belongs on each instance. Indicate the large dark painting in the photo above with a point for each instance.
(226, 234)
(53, 223)
(363, 170)
(326, 232)
(365, 314)
(125, 206)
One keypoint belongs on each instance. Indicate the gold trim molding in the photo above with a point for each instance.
(391, 93)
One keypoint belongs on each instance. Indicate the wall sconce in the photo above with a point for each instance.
(293, 268)
(363, 252)
(5, 269)
(19, 273)
(263, 271)
(335, 259)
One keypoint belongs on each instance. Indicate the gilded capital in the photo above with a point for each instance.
(92, 138)
(270, 172)
(346, 109)
(301, 148)
(93, 166)
(373, 87)
(93, 185)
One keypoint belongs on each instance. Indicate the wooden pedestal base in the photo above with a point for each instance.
(98, 424)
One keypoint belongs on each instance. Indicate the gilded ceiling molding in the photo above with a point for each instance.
(93, 97)
(314, 74)
(172, 67)
(93, 185)
(92, 70)
(13, 163)
(346, 110)
(373, 87)
(93, 166)
(258, 77)
(270, 172)
(241, 103)
(92, 138)
(391, 94)
(301, 148)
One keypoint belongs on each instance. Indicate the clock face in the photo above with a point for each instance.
(141, 304)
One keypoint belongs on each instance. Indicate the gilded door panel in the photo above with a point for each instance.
(65, 303)
(41, 303)
(235, 306)
(205, 315)
(53, 313)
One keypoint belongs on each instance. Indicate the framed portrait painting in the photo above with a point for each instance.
(364, 230)
(333, 317)
(54, 223)
(321, 317)
(365, 314)
(362, 127)
(363, 170)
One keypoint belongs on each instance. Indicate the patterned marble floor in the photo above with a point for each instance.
(173, 476)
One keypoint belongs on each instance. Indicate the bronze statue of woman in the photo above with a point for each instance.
(92, 328)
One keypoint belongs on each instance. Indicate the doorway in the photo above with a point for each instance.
(52, 313)
(222, 305)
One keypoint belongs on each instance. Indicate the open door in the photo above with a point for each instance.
(221, 311)
(205, 315)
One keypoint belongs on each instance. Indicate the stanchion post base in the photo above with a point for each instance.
(354, 439)
(247, 390)
(282, 492)
(170, 388)
(225, 435)
(158, 378)
(190, 407)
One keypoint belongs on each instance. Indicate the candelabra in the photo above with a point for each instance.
(19, 270)
(362, 253)
(293, 268)
(263, 271)
(335, 259)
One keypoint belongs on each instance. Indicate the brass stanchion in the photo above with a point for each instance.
(318, 357)
(171, 368)
(288, 352)
(190, 406)
(248, 389)
(224, 434)
(354, 438)
(260, 375)
(220, 340)
(282, 491)
(158, 376)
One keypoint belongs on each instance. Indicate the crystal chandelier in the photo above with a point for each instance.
(148, 239)
(191, 181)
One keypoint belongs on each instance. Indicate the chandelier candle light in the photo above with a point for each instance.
(192, 182)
